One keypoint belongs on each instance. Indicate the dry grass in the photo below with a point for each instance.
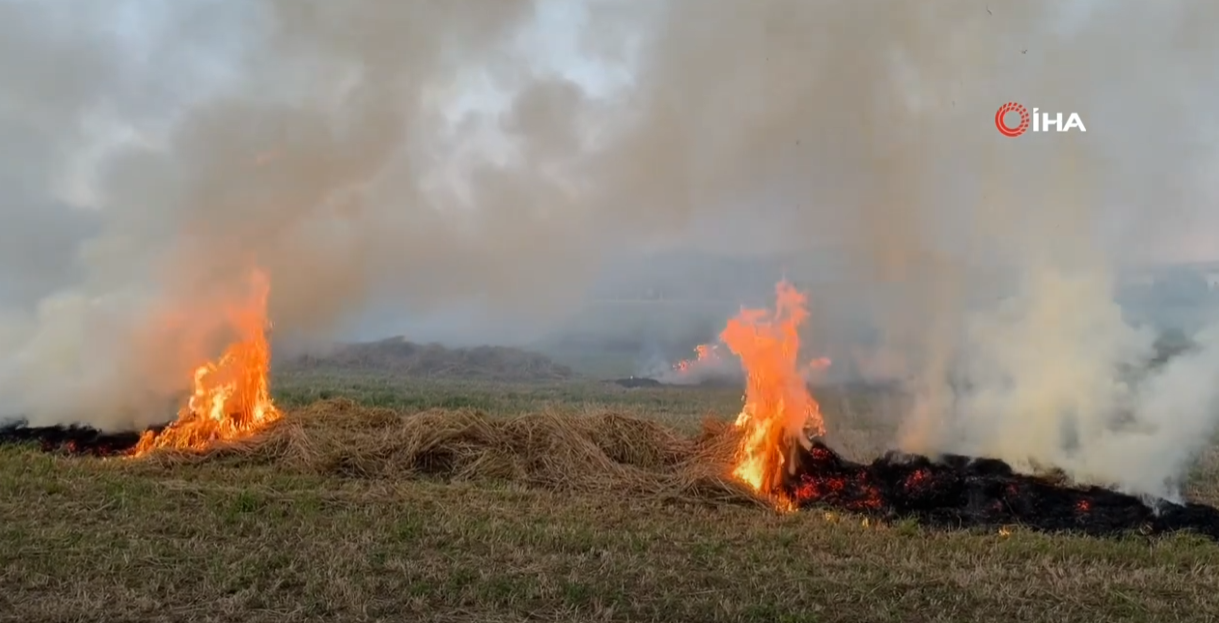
(575, 511)
(598, 452)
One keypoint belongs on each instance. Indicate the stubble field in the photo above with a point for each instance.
(263, 540)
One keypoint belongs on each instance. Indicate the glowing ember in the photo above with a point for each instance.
(779, 412)
(231, 396)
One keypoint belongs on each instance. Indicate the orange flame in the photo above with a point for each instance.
(779, 411)
(703, 353)
(231, 397)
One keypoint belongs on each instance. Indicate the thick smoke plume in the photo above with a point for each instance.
(485, 162)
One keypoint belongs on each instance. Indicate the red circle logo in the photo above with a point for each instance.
(1006, 130)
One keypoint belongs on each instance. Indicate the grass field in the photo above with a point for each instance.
(92, 540)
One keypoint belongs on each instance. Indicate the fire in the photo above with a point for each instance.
(703, 354)
(779, 411)
(231, 397)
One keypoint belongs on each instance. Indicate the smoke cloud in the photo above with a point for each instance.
(477, 168)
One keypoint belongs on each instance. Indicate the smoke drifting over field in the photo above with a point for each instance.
(420, 160)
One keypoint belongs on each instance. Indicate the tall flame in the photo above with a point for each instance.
(231, 397)
(779, 411)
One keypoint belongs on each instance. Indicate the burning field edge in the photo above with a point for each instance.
(609, 452)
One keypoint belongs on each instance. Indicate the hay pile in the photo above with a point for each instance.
(577, 453)
(433, 361)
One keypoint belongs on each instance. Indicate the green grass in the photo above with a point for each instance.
(91, 540)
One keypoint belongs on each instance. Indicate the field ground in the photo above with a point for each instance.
(87, 540)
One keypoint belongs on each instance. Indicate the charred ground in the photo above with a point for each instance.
(954, 492)
(75, 439)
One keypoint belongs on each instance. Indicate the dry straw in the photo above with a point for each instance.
(599, 452)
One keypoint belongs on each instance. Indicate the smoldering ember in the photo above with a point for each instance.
(73, 440)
